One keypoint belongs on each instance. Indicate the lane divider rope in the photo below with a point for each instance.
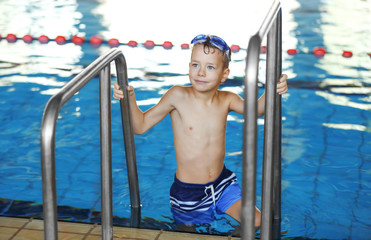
(96, 41)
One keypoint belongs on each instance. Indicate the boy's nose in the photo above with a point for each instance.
(201, 72)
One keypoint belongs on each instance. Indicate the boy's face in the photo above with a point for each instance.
(206, 71)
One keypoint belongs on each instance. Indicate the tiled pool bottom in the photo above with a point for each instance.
(32, 229)
(21, 220)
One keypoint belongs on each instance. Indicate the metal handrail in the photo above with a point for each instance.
(272, 132)
(100, 66)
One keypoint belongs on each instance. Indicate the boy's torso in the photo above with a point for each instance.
(199, 136)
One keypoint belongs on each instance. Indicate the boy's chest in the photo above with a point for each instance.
(198, 117)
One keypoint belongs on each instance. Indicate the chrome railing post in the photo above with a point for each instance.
(250, 140)
(277, 140)
(131, 163)
(47, 140)
(106, 152)
(269, 132)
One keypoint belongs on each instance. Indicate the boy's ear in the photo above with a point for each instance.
(225, 74)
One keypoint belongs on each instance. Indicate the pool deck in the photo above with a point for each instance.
(32, 229)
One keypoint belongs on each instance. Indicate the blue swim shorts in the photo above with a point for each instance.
(196, 203)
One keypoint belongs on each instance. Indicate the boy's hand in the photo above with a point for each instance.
(282, 85)
(118, 93)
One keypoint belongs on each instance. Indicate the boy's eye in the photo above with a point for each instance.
(194, 65)
(210, 67)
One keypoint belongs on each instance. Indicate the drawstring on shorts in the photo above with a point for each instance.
(212, 192)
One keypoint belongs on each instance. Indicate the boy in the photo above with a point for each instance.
(198, 114)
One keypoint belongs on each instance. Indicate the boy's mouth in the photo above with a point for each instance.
(200, 82)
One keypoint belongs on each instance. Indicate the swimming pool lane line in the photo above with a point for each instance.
(96, 41)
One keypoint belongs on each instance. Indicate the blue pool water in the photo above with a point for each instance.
(326, 117)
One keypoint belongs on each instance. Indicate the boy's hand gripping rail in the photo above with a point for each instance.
(48, 127)
(271, 192)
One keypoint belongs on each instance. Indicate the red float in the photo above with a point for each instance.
(113, 42)
(347, 54)
(292, 51)
(319, 51)
(132, 43)
(77, 40)
(60, 40)
(185, 46)
(27, 38)
(11, 37)
(149, 44)
(263, 49)
(96, 40)
(235, 48)
(43, 39)
(167, 45)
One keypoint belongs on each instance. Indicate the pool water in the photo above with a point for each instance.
(326, 133)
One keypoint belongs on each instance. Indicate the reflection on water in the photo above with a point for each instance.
(37, 17)
(164, 19)
(343, 101)
(346, 126)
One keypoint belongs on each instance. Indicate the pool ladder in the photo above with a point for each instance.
(271, 193)
(271, 187)
(100, 66)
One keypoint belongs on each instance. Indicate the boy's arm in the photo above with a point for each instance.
(143, 121)
(237, 102)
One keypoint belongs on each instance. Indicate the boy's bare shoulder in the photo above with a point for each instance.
(228, 95)
(177, 91)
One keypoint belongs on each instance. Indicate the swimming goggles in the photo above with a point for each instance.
(214, 40)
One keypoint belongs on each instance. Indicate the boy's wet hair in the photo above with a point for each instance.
(208, 47)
